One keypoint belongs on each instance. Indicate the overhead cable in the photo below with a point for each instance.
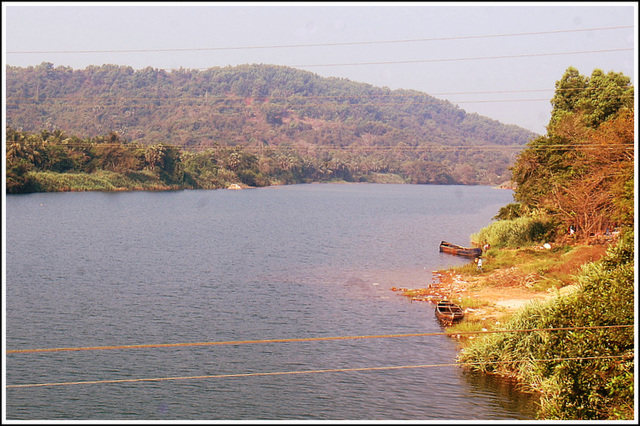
(477, 58)
(289, 373)
(354, 43)
(305, 339)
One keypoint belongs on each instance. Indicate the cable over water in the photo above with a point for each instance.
(304, 339)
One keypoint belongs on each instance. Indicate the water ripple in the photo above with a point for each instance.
(98, 269)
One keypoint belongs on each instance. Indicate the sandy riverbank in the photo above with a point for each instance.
(495, 295)
(492, 294)
(500, 292)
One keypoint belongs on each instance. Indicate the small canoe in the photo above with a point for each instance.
(448, 312)
(446, 247)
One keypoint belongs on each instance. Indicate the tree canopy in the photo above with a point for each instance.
(581, 171)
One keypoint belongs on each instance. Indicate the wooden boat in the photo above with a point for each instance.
(446, 247)
(448, 312)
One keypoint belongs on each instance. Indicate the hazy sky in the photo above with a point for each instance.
(439, 48)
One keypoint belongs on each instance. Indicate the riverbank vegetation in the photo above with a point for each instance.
(54, 161)
(584, 372)
(574, 191)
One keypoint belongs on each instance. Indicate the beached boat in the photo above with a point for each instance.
(448, 312)
(446, 247)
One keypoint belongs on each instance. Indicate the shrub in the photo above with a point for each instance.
(518, 232)
(510, 211)
(577, 380)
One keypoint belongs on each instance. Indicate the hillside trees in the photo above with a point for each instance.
(252, 106)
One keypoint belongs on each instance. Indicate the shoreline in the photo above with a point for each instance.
(491, 302)
(495, 294)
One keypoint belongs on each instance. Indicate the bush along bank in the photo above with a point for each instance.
(585, 372)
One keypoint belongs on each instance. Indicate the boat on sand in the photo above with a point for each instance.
(448, 312)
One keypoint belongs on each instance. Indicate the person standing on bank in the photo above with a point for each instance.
(479, 268)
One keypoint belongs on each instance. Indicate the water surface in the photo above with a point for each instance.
(292, 262)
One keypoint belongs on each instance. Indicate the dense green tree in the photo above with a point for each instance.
(165, 160)
(604, 96)
(594, 98)
(569, 91)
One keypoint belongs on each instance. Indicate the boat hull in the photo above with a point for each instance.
(446, 247)
(448, 312)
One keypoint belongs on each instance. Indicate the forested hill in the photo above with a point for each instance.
(242, 105)
(351, 129)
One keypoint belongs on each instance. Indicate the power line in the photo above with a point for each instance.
(305, 339)
(477, 58)
(324, 371)
(179, 102)
(355, 43)
(346, 96)
(416, 98)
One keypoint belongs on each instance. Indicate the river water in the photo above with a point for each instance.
(100, 269)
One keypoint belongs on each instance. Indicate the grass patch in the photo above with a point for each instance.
(99, 181)
(384, 178)
(533, 267)
(466, 326)
(519, 232)
(468, 331)
(472, 303)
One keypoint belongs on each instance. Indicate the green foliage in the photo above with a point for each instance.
(102, 180)
(577, 381)
(595, 98)
(510, 211)
(18, 178)
(38, 156)
(518, 232)
(580, 173)
(569, 92)
(545, 162)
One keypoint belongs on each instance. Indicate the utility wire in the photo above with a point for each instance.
(414, 94)
(306, 339)
(289, 373)
(478, 58)
(422, 148)
(355, 43)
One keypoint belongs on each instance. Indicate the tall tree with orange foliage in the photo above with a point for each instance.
(581, 172)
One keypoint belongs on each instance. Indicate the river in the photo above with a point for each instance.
(295, 262)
